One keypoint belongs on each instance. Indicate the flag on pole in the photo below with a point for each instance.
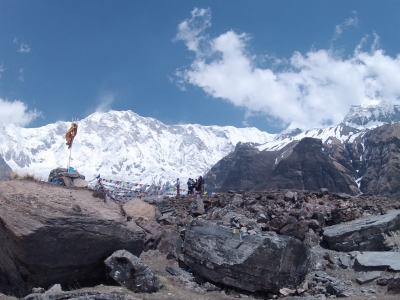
(70, 135)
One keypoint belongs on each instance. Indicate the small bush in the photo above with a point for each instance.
(15, 175)
(29, 176)
(76, 208)
(99, 194)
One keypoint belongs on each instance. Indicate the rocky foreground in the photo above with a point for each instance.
(73, 243)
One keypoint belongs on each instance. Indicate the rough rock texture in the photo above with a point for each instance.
(75, 296)
(52, 234)
(331, 273)
(154, 232)
(5, 170)
(382, 158)
(197, 207)
(394, 286)
(249, 262)
(129, 271)
(372, 155)
(309, 168)
(301, 165)
(243, 169)
(378, 260)
(365, 234)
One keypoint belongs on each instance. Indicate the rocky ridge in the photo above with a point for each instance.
(238, 222)
(367, 162)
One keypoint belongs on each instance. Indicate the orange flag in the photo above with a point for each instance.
(71, 133)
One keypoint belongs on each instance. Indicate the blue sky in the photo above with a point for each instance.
(256, 63)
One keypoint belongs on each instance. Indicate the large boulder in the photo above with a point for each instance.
(254, 263)
(368, 233)
(140, 210)
(52, 234)
(371, 260)
(130, 272)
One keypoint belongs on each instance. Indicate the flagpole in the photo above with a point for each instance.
(69, 159)
(69, 136)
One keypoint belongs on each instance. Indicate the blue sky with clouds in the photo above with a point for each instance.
(256, 63)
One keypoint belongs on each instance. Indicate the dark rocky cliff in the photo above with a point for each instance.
(309, 168)
(381, 161)
(5, 170)
(301, 165)
(243, 169)
(372, 160)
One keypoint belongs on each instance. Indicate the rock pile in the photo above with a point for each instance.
(220, 245)
(269, 244)
(64, 177)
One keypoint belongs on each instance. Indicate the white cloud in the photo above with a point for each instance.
(315, 88)
(191, 30)
(21, 75)
(23, 48)
(352, 21)
(105, 101)
(16, 112)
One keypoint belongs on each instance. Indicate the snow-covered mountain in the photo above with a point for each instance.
(372, 116)
(357, 121)
(341, 158)
(122, 145)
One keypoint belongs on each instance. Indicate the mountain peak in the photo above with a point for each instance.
(362, 117)
(123, 145)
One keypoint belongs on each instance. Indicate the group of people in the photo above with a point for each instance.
(193, 185)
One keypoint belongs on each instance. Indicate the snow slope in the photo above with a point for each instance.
(122, 145)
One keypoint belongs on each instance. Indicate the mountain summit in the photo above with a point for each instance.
(372, 116)
(122, 145)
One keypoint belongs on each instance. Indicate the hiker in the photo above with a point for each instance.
(177, 187)
(200, 183)
(190, 185)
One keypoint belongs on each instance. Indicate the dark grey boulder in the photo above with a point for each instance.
(171, 244)
(197, 207)
(335, 289)
(364, 234)
(344, 261)
(43, 241)
(368, 277)
(378, 261)
(266, 262)
(290, 196)
(129, 271)
(394, 286)
(237, 200)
